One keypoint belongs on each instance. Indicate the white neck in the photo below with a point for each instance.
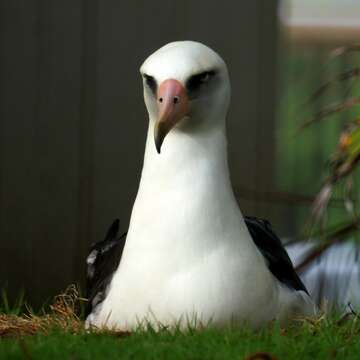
(186, 159)
(185, 195)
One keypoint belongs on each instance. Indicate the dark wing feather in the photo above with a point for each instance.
(102, 261)
(277, 258)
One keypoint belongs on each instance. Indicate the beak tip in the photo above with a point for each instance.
(159, 136)
(158, 143)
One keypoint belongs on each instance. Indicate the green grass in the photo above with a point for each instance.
(323, 341)
(58, 333)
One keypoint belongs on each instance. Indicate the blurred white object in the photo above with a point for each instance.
(334, 276)
(329, 21)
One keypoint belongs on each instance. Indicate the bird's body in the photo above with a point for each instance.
(189, 257)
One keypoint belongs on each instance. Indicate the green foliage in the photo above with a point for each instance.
(323, 340)
(324, 154)
(15, 308)
(60, 334)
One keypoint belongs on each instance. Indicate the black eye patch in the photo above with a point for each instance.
(150, 82)
(195, 82)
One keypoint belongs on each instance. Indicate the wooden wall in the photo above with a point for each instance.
(72, 119)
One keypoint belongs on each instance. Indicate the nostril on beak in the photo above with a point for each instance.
(161, 99)
(176, 99)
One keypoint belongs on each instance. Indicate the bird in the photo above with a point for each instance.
(189, 257)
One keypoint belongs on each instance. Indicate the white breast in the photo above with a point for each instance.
(188, 254)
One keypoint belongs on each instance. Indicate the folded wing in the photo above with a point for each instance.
(276, 256)
(102, 261)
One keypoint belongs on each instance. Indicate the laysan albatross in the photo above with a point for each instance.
(190, 257)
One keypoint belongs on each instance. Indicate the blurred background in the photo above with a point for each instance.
(73, 122)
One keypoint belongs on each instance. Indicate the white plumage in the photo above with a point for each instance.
(188, 256)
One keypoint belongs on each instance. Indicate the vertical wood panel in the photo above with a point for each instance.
(18, 74)
(86, 134)
(119, 124)
(40, 142)
(56, 131)
(264, 126)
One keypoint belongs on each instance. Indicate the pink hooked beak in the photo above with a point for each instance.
(173, 105)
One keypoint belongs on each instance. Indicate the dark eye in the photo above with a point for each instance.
(196, 81)
(150, 82)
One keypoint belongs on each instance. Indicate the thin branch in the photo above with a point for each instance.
(346, 75)
(337, 237)
(331, 110)
(280, 197)
(345, 50)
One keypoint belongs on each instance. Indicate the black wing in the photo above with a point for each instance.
(102, 261)
(270, 246)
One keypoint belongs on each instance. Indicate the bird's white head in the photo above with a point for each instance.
(186, 86)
